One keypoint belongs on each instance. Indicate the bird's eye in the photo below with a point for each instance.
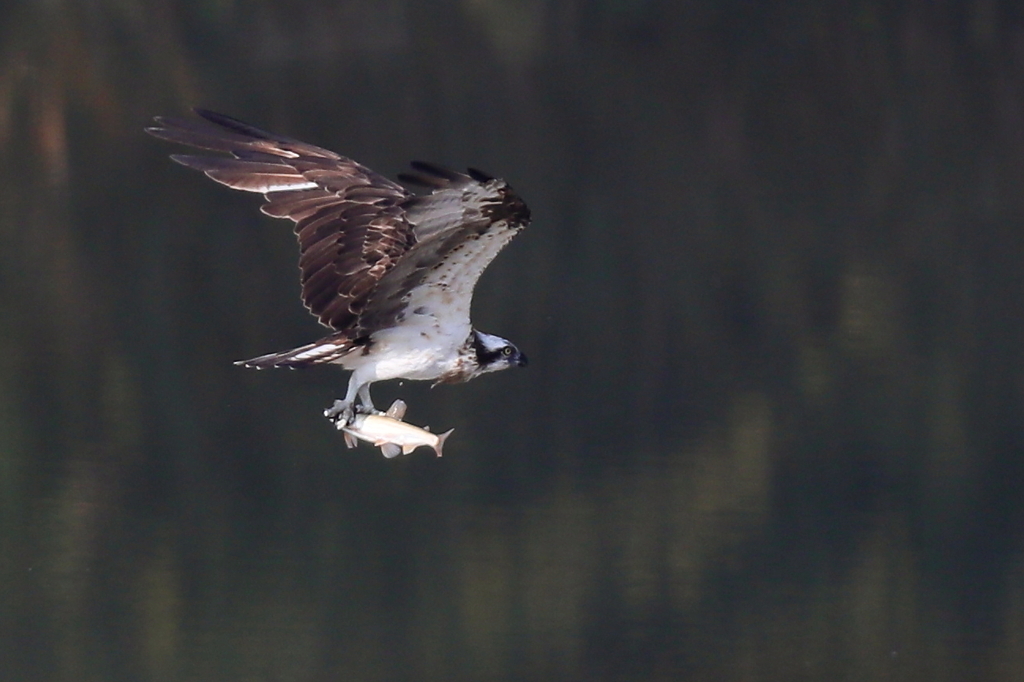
(506, 351)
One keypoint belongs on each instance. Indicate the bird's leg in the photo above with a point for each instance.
(342, 412)
(365, 402)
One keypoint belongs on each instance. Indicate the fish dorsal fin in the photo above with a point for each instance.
(397, 410)
(391, 450)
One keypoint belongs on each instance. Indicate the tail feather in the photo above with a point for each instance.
(326, 350)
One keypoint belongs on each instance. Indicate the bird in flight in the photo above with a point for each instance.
(390, 273)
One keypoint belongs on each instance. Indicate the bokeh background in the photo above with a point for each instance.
(772, 428)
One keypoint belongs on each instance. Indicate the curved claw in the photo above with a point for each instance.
(341, 413)
(368, 409)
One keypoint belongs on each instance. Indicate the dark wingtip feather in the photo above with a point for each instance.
(431, 176)
(435, 171)
(421, 180)
(479, 175)
(231, 123)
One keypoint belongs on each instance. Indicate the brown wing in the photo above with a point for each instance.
(349, 220)
(460, 228)
(369, 249)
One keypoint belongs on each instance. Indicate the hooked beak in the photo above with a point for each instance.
(521, 361)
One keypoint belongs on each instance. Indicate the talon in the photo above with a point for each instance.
(340, 413)
(335, 409)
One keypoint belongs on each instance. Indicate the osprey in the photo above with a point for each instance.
(390, 272)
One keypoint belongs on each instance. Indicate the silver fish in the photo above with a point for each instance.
(393, 435)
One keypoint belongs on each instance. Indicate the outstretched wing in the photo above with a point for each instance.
(371, 252)
(348, 219)
(460, 227)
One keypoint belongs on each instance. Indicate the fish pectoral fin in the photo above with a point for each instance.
(391, 450)
(350, 440)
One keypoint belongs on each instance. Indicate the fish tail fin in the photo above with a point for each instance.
(390, 450)
(441, 438)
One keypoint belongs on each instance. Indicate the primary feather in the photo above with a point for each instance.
(392, 273)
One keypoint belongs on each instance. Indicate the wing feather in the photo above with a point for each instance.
(341, 209)
(368, 247)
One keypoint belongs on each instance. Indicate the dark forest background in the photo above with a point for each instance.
(772, 297)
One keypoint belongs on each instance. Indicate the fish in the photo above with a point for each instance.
(391, 434)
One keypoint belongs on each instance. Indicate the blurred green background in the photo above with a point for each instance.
(772, 427)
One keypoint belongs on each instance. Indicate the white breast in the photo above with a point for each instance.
(418, 349)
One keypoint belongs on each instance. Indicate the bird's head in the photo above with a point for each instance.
(494, 353)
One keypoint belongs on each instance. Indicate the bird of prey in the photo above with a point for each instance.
(390, 272)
